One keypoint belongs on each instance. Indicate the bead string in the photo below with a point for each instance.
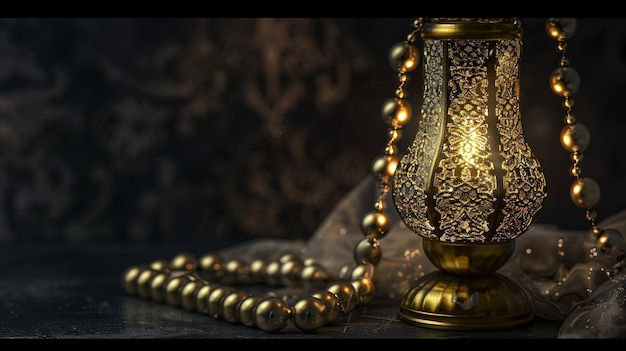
(203, 284)
(575, 138)
(396, 113)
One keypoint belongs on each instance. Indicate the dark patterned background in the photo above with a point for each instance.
(191, 129)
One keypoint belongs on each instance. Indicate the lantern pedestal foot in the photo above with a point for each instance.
(461, 297)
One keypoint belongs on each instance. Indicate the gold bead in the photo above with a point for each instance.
(401, 93)
(368, 251)
(333, 305)
(257, 270)
(591, 215)
(161, 265)
(215, 300)
(575, 171)
(309, 314)
(378, 167)
(569, 119)
(596, 231)
(210, 266)
(575, 137)
(565, 81)
(173, 289)
(188, 294)
(202, 296)
(273, 273)
(396, 112)
(346, 293)
(234, 271)
(157, 287)
(230, 305)
(364, 289)
(365, 270)
(184, 261)
(394, 134)
(560, 28)
(375, 225)
(143, 282)
(402, 77)
(314, 276)
(383, 167)
(585, 192)
(344, 271)
(391, 150)
(246, 309)
(391, 165)
(290, 272)
(288, 257)
(404, 57)
(129, 278)
(610, 242)
(379, 205)
(272, 314)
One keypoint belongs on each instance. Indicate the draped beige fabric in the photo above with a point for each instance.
(552, 264)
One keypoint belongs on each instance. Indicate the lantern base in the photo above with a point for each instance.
(461, 298)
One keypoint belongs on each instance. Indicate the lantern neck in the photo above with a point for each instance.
(471, 28)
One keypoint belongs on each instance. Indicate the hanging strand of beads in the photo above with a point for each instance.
(404, 57)
(575, 138)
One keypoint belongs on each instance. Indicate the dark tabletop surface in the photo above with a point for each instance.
(73, 291)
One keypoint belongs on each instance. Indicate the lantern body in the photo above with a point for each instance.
(469, 175)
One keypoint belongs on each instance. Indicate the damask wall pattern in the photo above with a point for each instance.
(195, 129)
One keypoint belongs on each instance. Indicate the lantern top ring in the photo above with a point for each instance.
(471, 29)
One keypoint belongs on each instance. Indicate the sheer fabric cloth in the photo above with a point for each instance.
(567, 282)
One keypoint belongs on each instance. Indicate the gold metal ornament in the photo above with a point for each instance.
(202, 297)
(230, 303)
(157, 282)
(246, 309)
(333, 305)
(187, 294)
(129, 278)
(215, 300)
(272, 314)
(575, 138)
(143, 282)
(309, 313)
(469, 184)
(346, 293)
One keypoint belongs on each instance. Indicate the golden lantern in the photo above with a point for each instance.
(469, 184)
